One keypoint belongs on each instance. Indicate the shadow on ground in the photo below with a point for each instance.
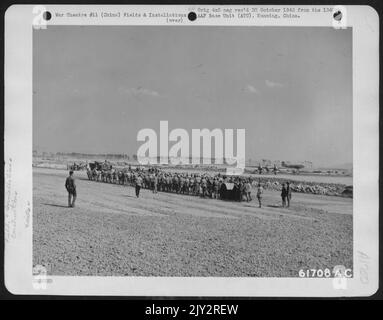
(55, 205)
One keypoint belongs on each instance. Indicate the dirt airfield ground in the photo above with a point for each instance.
(112, 233)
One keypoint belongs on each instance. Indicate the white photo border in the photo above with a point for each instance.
(18, 204)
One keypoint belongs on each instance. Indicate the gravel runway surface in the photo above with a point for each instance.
(112, 233)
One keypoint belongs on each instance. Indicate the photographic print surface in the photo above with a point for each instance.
(191, 151)
(104, 95)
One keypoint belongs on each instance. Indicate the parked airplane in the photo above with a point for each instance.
(296, 166)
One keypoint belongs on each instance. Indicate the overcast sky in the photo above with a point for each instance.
(290, 88)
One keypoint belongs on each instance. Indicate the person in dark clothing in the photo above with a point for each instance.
(284, 195)
(288, 194)
(138, 186)
(70, 186)
(236, 192)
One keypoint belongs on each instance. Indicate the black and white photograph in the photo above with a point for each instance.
(175, 150)
(98, 211)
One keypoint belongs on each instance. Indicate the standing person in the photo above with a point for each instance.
(216, 188)
(70, 186)
(288, 194)
(204, 186)
(235, 194)
(197, 185)
(284, 195)
(241, 190)
(259, 194)
(155, 183)
(138, 185)
(248, 191)
(151, 181)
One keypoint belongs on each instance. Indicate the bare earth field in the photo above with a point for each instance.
(112, 233)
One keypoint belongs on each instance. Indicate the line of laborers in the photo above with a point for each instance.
(203, 185)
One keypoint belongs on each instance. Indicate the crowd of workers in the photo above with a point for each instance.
(215, 186)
